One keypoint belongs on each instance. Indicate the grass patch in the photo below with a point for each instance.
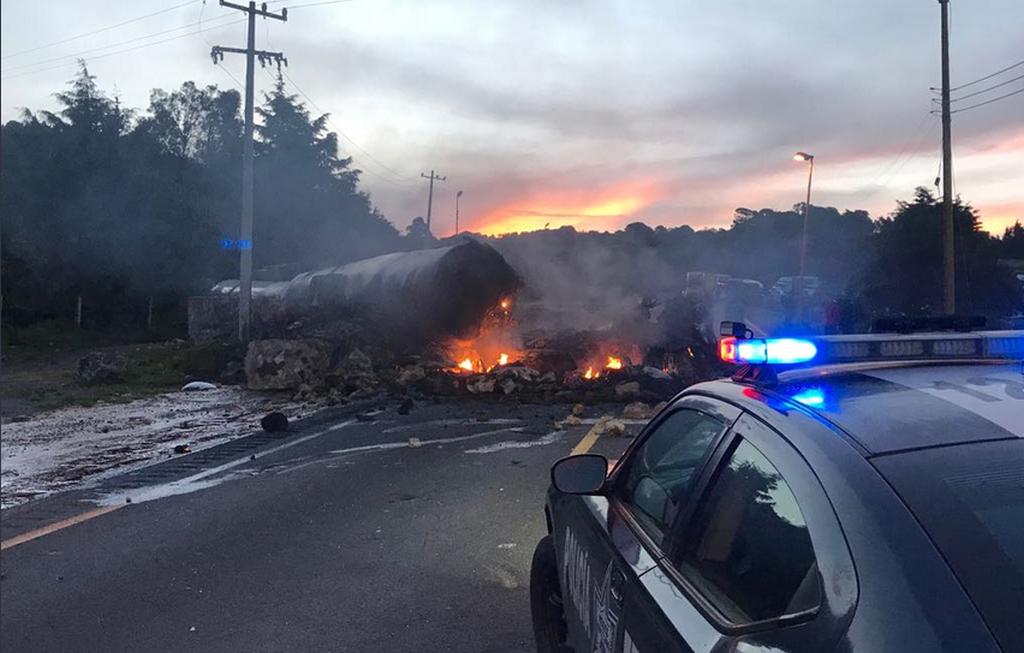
(45, 339)
(152, 368)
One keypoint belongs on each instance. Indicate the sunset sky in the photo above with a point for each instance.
(585, 112)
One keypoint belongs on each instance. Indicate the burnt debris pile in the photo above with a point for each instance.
(444, 322)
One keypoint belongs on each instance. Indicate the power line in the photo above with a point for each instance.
(394, 172)
(995, 99)
(310, 4)
(76, 55)
(990, 88)
(220, 64)
(910, 150)
(981, 79)
(116, 52)
(97, 31)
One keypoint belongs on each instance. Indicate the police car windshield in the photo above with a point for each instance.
(970, 500)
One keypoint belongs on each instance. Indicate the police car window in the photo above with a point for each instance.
(661, 471)
(747, 549)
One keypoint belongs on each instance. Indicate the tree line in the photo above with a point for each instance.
(891, 266)
(118, 207)
(122, 208)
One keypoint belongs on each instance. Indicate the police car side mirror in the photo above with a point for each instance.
(583, 474)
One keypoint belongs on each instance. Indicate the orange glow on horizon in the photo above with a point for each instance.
(589, 209)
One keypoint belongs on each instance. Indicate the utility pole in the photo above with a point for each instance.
(430, 196)
(245, 235)
(457, 196)
(948, 256)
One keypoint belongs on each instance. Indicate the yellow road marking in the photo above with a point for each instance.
(57, 526)
(586, 443)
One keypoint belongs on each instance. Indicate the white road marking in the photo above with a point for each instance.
(405, 443)
(550, 438)
(202, 479)
(452, 422)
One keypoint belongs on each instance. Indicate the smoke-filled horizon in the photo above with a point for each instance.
(593, 115)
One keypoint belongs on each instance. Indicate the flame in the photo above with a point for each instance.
(497, 345)
(614, 363)
(589, 374)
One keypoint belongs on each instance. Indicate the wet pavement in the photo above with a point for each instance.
(404, 533)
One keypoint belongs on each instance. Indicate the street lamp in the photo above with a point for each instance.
(457, 196)
(809, 158)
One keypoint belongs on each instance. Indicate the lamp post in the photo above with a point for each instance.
(457, 196)
(809, 158)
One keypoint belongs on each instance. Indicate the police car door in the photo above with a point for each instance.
(611, 541)
(744, 569)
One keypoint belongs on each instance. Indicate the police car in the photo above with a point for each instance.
(843, 493)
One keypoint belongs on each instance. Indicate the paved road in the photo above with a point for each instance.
(345, 536)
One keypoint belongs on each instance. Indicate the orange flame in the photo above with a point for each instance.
(466, 364)
(591, 374)
(614, 363)
(503, 359)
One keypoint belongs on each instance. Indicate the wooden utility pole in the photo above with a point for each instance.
(948, 255)
(430, 196)
(245, 235)
(457, 196)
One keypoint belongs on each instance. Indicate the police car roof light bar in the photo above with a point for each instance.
(760, 355)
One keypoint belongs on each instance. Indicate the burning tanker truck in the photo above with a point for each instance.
(419, 296)
(435, 321)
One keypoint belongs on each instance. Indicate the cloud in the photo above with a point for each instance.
(535, 107)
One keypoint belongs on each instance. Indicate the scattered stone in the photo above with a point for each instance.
(508, 386)
(182, 448)
(415, 443)
(410, 374)
(627, 389)
(481, 385)
(608, 425)
(274, 422)
(658, 407)
(577, 410)
(571, 420)
(279, 364)
(655, 373)
(196, 386)
(518, 372)
(637, 410)
(407, 405)
(357, 360)
(102, 367)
